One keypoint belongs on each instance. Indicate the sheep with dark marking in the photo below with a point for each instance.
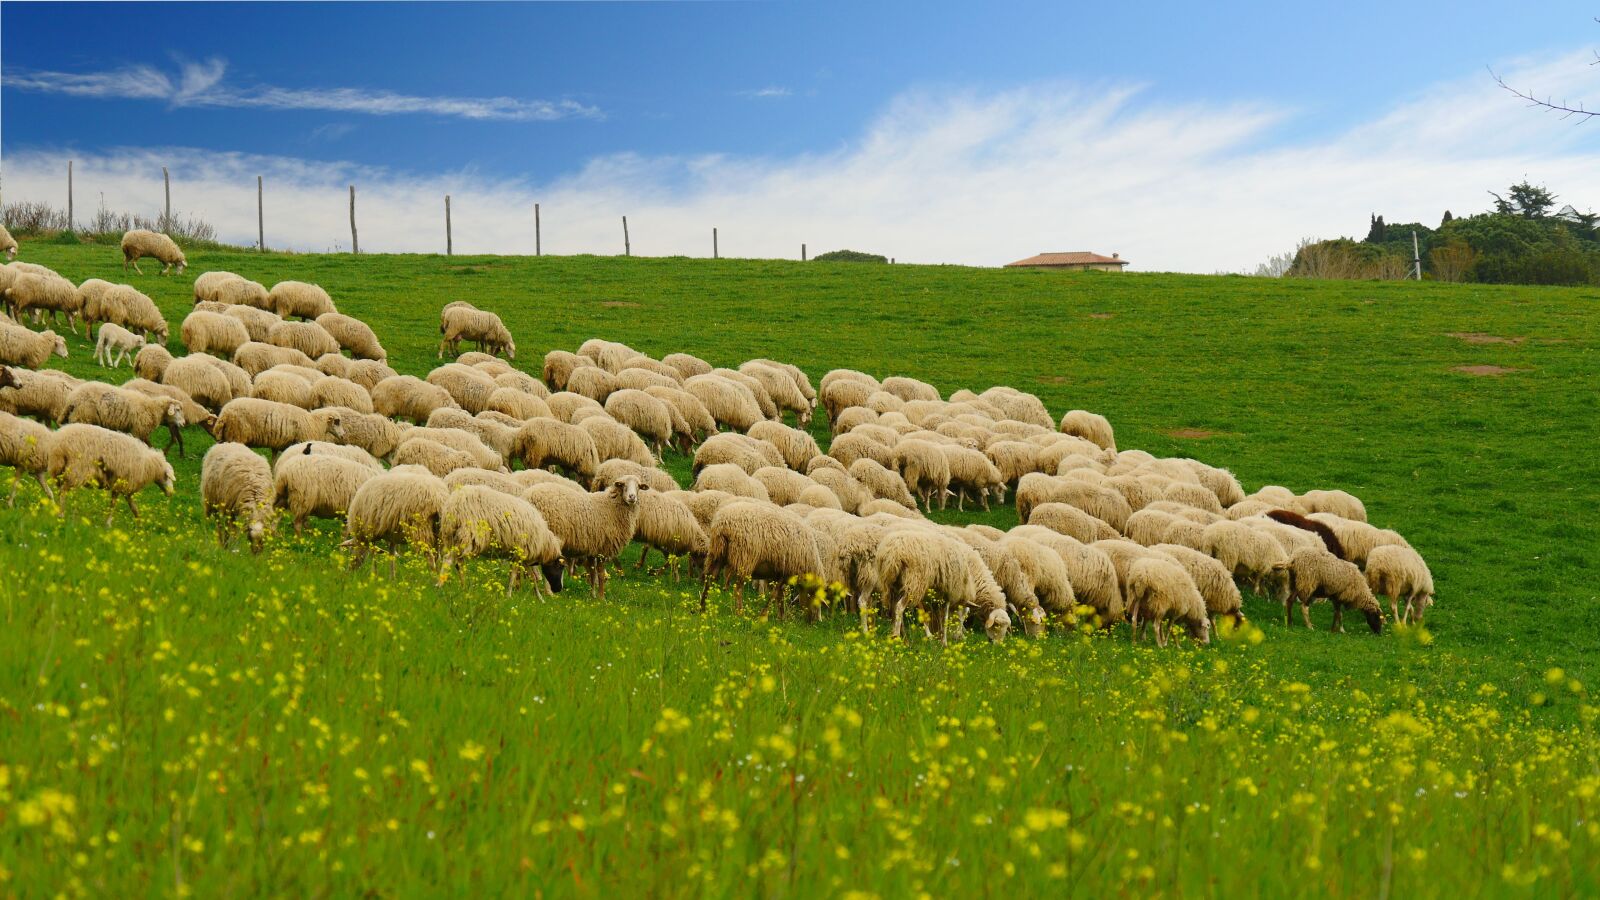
(1358, 538)
(1329, 539)
(273, 426)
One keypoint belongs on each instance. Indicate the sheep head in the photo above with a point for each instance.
(7, 379)
(168, 480)
(1201, 630)
(174, 414)
(1375, 622)
(554, 575)
(1033, 622)
(996, 625)
(60, 348)
(627, 489)
(182, 263)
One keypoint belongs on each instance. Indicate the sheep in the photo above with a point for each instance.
(470, 388)
(1160, 591)
(854, 543)
(140, 243)
(236, 482)
(119, 409)
(548, 442)
(851, 417)
(566, 406)
(887, 507)
(24, 447)
(257, 357)
(310, 484)
(402, 504)
(1339, 503)
(282, 387)
(842, 394)
(353, 335)
(1104, 503)
(1400, 573)
(1320, 529)
(1314, 573)
(233, 292)
(1220, 482)
(87, 455)
(1252, 556)
(852, 494)
(729, 403)
(649, 417)
(151, 361)
(1089, 426)
(704, 504)
(909, 388)
(796, 445)
(482, 455)
(926, 470)
(1211, 578)
(479, 521)
(971, 471)
(28, 349)
(1149, 526)
(324, 448)
(688, 366)
(479, 326)
(612, 469)
(559, 366)
(883, 403)
(639, 377)
(782, 388)
(760, 541)
(745, 452)
(668, 525)
(299, 299)
(42, 394)
(193, 413)
(43, 294)
(515, 380)
(882, 482)
(335, 391)
(800, 379)
(1045, 571)
(411, 398)
(274, 426)
(308, 337)
(1006, 571)
(613, 440)
(731, 479)
(1017, 406)
(593, 527)
(1071, 521)
(609, 355)
(207, 285)
(437, 458)
(501, 438)
(592, 382)
(366, 372)
(1248, 507)
(1275, 495)
(8, 244)
(115, 343)
(1091, 571)
(215, 333)
(207, 384)
(914, 564)
(1358, 538)
(1288, 537)
(824, 462)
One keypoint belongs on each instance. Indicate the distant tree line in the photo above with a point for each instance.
(1520, 240)
(850, 256)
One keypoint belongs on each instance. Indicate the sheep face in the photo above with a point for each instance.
(60, 348)
(1375, 621)
(1033, 622)
(335, 428)
(627, 489)
(511, 350)
(174, 414)
(168, 480)
(7, 379)
(258, 531)
(554, 575)
(997, 625)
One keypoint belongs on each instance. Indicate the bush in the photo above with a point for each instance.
(849, 256)
(40, 220)
(1346, 259)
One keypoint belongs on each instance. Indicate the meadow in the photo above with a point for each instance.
(181, 719)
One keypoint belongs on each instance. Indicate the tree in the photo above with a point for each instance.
(1446, 220)
(1567, 110)
(1376, 234)
(1527, 200)
(1452, 261)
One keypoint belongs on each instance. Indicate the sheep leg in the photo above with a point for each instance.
(1288, 608)
(1394, 609)
(899, 616)
(1338, 618)
(600, 572)
(738, 597)
(944, 625)
(1161, 634)
(1305, 613)
(865, 610)
(705, 586)
(644, 553)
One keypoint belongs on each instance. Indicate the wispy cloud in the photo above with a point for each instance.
(332, 131)
(201, 84)
(770, 92)
(963, 177)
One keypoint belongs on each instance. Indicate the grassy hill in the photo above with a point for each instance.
(255, 706)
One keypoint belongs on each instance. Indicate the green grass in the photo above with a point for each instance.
(274, 725)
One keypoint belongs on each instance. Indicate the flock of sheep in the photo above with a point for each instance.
(562, 471)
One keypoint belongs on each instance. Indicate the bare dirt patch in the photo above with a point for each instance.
(1053, 379)
(1190, 434)
(1485, 371)
(1479, 337)
(1102, 315)
(619, 304)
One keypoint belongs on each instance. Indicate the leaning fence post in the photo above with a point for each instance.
(69, 195)
(261, 220)
(627, 248)
(355, 244)
(166, 213)
(449, 242)
(538, 248)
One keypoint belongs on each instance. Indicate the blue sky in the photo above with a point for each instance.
(667, 101)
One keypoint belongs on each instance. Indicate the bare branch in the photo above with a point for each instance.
(1566, 110)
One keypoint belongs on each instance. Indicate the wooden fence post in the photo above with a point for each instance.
(69, 195)
(261, 220)
(802, 252)
(538, 240)
(355, 244)
(714, 252)
(449, 242)
(166, 213)
(627, 248)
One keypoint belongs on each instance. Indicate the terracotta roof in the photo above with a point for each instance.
(1078, 258)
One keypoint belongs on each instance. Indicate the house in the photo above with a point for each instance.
(1079, 261)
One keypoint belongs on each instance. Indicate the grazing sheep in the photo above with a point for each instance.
(548, 442)
(335, 391)
(760, 541)
(310, 484)
(914, 565)
(851, 417)
(639, 378)
(1149, 526)
(45, 295)
(613, 440)
(887, 507)
(193, 413)
(203, 379)
(28, 349)
(258, 323)
(743, 451)
(593, 527)
(119, 409)
(559, 366)
(1091, 571)
(140, 243)
(925, 468)
(1358, 538)
(40, 394)
(515, 380)
(796, 446)
(257, 357)
(353, 335)
(24, 447)
(1320, 529)
(668, 524)
(208, 285)
(730, 479)
(784, 486)
(570, 407)
(114, 343)
(410, 398)
(649, 417)
(437, 458)
(324, 448)
(1161, 592)
(782, 388)
(470, 388)
(518, 404)
(609, 355)
(402, 505)
(1252, 556)
(652, 478)
(307, 337)
(1400, 573)
(1072, 522)
(1339, 503)
(83, 455)
(1248, 507)
(482, 455)
(274, 426)
(1015, 587)
(151, 361)
(300, 300)
(242, 293)
(592, 382)
(688, 366)
(729, 403)
(215, 333)
(366, 372)
(825, 462)
(972, 472)
(502, 438)
(883, 403)
(842, 394)
(1104, 503)
(282, 387)
(882, 482)
(479, 521)
(479, 326)
(764, 401)
(1275, 495)
(1211, 578)
(1314, 574)
(235, 482)
(852, 494)
(909, 388)
(500, 481)
(1045, 572)
(8, 244)
(1089, 426)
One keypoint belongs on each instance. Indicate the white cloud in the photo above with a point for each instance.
(201, 85)
(936, 177)
(770, 92)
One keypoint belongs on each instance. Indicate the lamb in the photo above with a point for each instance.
(353, 335)
(307, 337)
(731, 479)
(479, 326)
(687, 366)
(236, 482)
(1211, 578)
(1400, 573)
(882, 482)
(668, 525)
(400, 505)
(479, 521)
(548, 442)
(43, 294)
(729, 403)
(1089, 426)
(275, 426)
(1161, 592)
(299, 299)
(797, 446)
(140, 243)
(257, 357)
(42, 394)
(593, 527)
(760, 541)
(82, 455)
(559, 366)
(649, 417)
(115, 343)
(119, 409)
(151, 361)
(411, 398)
(207, 384)
(1314, 573)
(782, 388)
(8, 244)
(309, 484)
(1072, 522)
(215, 333)
(926, 470)
(1339, 503)
(28, 349)
(1104, 503)
(24, 446)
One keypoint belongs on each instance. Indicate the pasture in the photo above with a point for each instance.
(182, 719)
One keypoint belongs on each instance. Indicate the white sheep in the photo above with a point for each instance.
(479, 326)
(559, 366)
(1160, 592)
(1400, 573)
(548, 442)
(667, 524)
(140, 243)
(307, 337)
(411, 398)
(257, 357)
(729, 403)
(29, 349)
(8, 244)
(757, 540)
(649, 417)
(1314, 574)
(593, 527)
(235, 482)
(300, 300)
(480, 521)
(44, 295)
(24, 447)
(274, 426)
(353, 335)
(120, 409)
(1089, 426)
(257, 322)
(688, 366)
(402, 505)
(310, 484)
(41, 394)
(215, 333)
(151, 361)
(88, 455)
